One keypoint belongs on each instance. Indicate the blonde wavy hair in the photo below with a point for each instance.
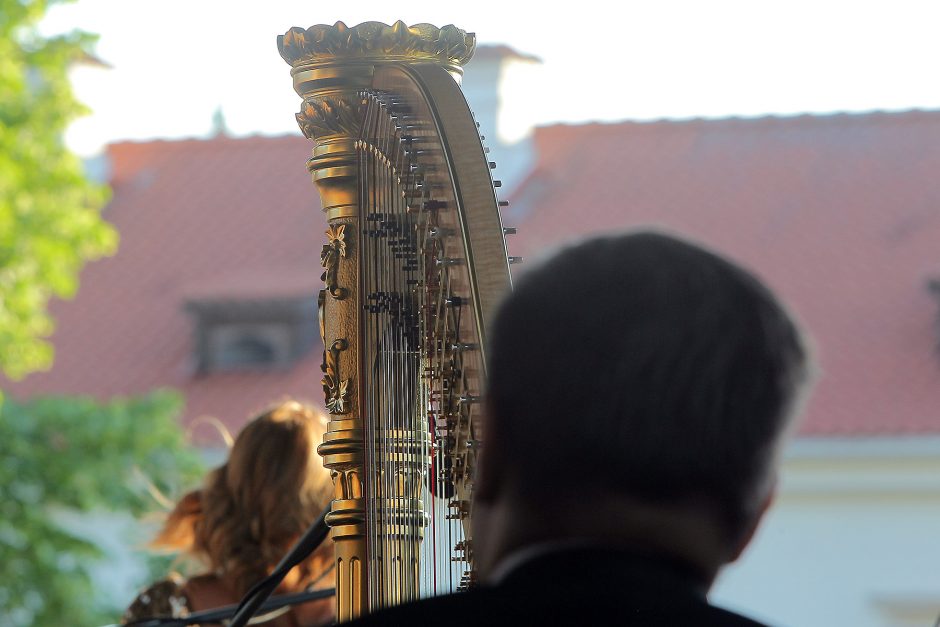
(252, 508)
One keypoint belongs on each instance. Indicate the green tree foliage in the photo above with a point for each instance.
(76, 454)
(50, 222)
(59, 456)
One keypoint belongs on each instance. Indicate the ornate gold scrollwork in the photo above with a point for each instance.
(321, 313)
(321, 116)
(335, 389)
(329, 259)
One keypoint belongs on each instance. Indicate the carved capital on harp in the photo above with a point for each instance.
(332, 252)
(335, 388)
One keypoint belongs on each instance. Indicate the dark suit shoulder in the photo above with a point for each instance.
(584, 586)
(487, 607)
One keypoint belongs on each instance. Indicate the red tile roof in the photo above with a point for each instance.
(839, 213)
(224, 218)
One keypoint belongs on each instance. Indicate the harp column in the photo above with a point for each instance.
(330, 66)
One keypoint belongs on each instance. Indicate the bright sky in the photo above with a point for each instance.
(176, 61)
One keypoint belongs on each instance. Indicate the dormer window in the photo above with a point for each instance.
(255, 335)
(252, 346)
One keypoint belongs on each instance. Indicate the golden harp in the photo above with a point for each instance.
(414, 265)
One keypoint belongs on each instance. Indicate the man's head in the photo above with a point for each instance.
(637, 372)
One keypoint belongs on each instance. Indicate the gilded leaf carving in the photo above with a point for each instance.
(335, 389)
(329, 115)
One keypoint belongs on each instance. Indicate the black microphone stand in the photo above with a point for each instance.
(258, 594)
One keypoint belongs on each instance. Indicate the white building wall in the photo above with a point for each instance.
(854, 538)
(508, 139)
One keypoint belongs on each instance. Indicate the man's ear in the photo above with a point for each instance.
(765, 504)
(486, 484)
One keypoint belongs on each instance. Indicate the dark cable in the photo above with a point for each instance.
(259, 593)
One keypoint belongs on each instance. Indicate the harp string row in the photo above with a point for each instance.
(413, 375)
(391, 352)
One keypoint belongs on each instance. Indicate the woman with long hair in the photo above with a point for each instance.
(243, 520)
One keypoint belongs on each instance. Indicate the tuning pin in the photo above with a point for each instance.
(437, 232)
(406, 128)
(503, 203)
(413, 192)
(497, 183)
(415, 139)
(492, 165)
(515, 260)
(509, 230)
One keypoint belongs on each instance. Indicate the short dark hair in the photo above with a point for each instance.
(644, 365)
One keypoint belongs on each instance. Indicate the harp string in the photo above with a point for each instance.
(366, 282)
(385, 398)
(376, 470)
(411, 466)
(387, 388)
(399, 432)
(387, 392)
(370, 191)
(367, 193)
